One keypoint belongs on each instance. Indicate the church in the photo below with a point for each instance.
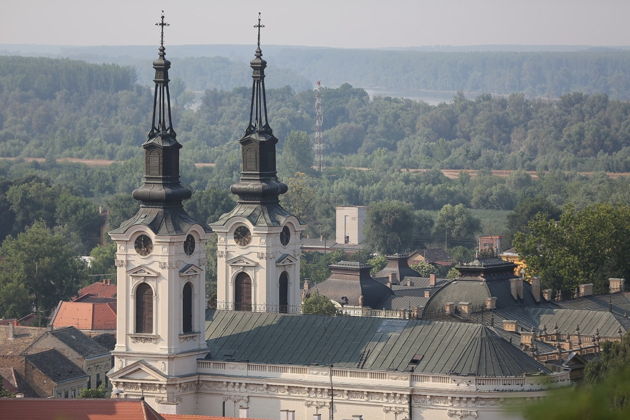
(256, 355)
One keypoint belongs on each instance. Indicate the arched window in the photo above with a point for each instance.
(187, 308)
(144, 309)
(243, 292)
(284, 293)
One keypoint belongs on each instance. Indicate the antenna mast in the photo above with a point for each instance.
(319, 121)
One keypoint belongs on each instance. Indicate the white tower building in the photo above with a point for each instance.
(160, 262)
(258, 242)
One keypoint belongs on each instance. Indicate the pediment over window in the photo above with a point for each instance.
(142, 271)
(241, 261)
(190, 270)
(286, 259)
(139, 371)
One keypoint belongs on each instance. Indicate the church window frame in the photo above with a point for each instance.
(144, 308)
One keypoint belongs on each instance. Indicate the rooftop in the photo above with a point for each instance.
(364, 343)
(86, 409)
(95, 314)
(79, 342)
(54, 365)
(99, 289)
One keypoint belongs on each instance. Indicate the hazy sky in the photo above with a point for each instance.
(335, 23)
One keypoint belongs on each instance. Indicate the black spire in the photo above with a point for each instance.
(259, 182)
(161, 186)
(161, 193)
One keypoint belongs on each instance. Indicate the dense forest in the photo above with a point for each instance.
(70, 108)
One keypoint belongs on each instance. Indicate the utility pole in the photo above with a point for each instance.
(319, 121)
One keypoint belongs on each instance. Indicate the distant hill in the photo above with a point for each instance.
(535, 71)
(68, 108)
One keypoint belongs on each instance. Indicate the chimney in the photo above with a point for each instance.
(547, 294)
(448, 308)
(516, 288)
(527, 339)
(306, 289)
(586, 289)
(490, 303)
(432, 280)
(11, 335)
(427, 293)
(408, 283)
(393, 277)
(465, 309)
(535, 282)
(616, 285)
(510, 325)
(559, 295)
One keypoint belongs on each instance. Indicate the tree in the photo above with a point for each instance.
(81, 217)
(424, 268)
(15, 300)
(390, 226)
(378, 263)
(120, 207)
(31, 201)
(604, 393)
(317, 304)
(3, 392)
(103, 257)
(526, 210)
(456, 225)
(584, 246)
(297, 153)
(453, 273)
(207, 206)
(314, 265)
(300, 198)
(43, 263)
(614, 357)
(99, 392)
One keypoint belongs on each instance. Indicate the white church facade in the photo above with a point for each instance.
(256, 355)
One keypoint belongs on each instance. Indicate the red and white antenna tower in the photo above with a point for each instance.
(319, 121)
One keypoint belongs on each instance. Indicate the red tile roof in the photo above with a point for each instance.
(100, 289)
(85, 315)
(87, 409)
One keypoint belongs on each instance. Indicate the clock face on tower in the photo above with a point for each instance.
(143, 245)
(189, 245)
(242, 236)
(285, 236)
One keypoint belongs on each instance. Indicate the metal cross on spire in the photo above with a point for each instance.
(162, 24)
(258, 27)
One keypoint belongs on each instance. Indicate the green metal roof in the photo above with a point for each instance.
(364, 343)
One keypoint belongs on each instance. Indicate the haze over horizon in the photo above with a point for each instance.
(327, 23)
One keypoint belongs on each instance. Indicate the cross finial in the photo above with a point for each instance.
(162, 24)
(258, 27)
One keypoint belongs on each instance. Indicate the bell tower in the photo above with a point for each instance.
(160, 260)
(258, 242)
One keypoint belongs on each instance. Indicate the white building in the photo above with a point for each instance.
(256, 361)
(350, 221)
